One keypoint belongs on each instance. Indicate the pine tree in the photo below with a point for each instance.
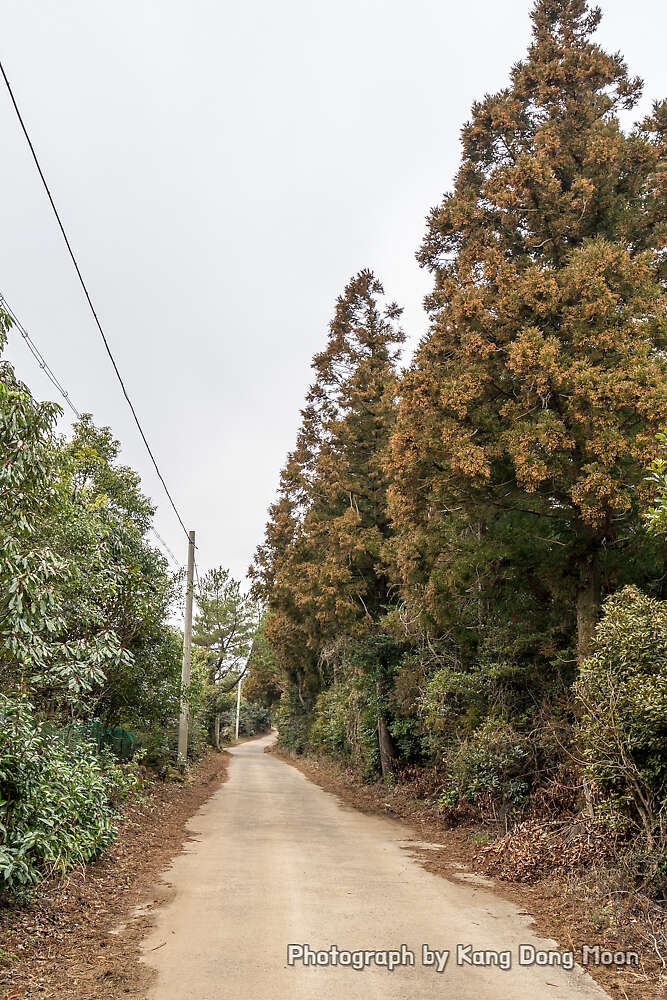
(542, 382)
(224, 626)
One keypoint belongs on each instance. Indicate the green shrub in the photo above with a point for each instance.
(293, 723)
(491, 769)
(253, 719)
(406, 732)
(328, 734)
(345, 727)
(622, 695)
(58, 800)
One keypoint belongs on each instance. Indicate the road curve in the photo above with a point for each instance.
(276, 860)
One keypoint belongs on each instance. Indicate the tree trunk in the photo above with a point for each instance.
(588, 797)
(588, 603)
(216, 732)
(387, 752)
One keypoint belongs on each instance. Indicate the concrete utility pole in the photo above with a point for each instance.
(238, 706)
(187, 654)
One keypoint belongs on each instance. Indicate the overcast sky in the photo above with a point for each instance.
(223, 169)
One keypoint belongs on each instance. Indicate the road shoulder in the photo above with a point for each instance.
(80, 939)
(457, 854)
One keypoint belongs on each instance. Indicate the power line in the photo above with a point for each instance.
(166, 548)
(38, 356)
(53, 378)
(87, 294)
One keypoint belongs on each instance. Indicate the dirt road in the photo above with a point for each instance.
(278, 861)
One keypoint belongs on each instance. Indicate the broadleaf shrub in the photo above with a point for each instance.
(58, 799)
(344, 726)
(622, 694)
(490, 769)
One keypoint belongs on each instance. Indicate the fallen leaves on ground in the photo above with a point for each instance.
(80, 938)
(542, 871)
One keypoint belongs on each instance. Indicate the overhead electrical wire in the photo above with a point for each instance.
(166, 548)
(38, 356)
(87, 295)
(55, 381)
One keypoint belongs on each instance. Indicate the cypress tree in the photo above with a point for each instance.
(322, 567)
(541, 383)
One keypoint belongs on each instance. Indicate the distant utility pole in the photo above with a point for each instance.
(238, 706)
(187, 654)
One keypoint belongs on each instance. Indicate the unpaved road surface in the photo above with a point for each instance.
(277, 860)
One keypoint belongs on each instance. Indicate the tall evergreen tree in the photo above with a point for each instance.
(542, 382)
(322, 567)
(224, 625)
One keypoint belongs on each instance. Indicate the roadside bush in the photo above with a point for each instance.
(159, 748)
(490, 770)
(57, 801)
(293, 723)
(253, 719)
(328, 734)
(622, 695)
(345, 727)
(221, 704)
(411, 745)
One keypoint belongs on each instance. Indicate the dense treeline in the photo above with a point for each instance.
(464, 566)
(84, 633)
(90, 640)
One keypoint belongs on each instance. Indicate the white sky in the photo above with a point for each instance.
(223, 169)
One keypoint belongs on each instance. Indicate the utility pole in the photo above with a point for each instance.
(238, 706)
(187, 655)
